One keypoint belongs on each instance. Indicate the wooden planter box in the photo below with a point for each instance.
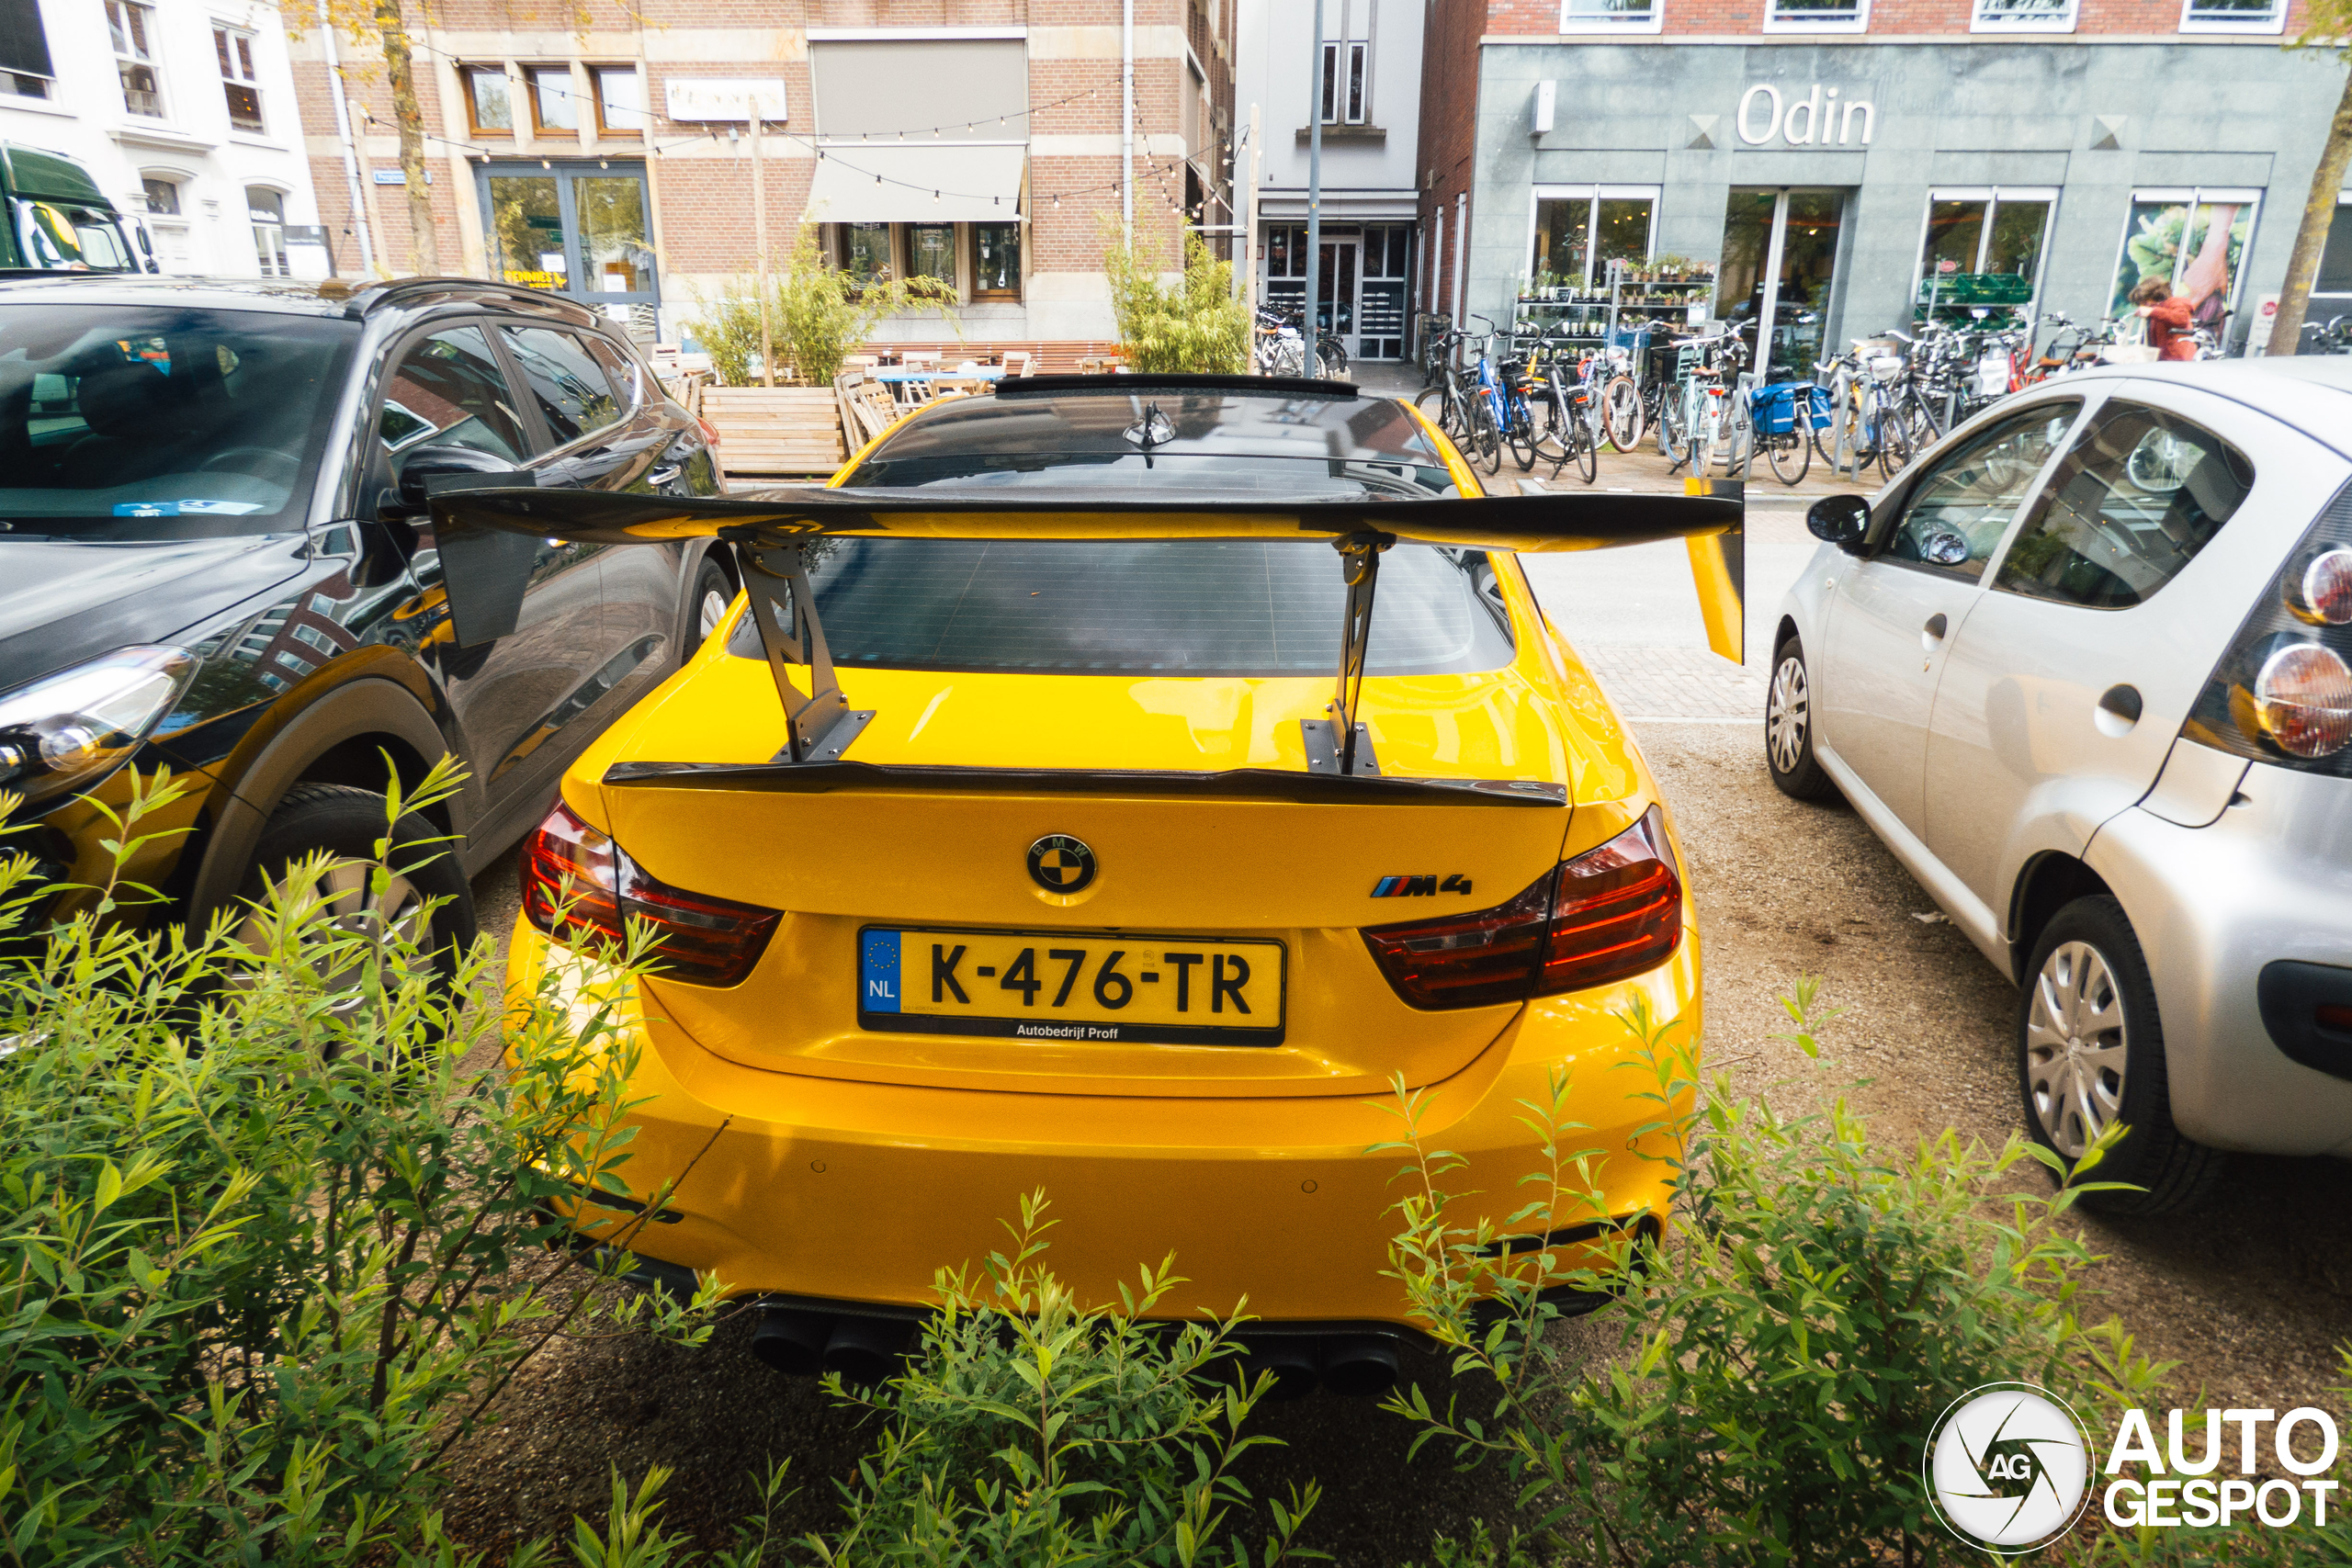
(776, 430)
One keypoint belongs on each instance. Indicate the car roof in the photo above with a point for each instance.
(330, 296)
(2311, 392)
(1206, 415)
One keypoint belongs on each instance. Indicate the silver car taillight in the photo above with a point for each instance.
(2282, 693)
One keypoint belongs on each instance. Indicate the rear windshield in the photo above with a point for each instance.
(147, 422)
(1165, 474)
(1167, 607)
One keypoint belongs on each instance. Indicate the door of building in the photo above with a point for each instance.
(579, 229)
(1779, 261)
(1335, 308)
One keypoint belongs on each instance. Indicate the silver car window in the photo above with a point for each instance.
(2139, 494)
(1956, 513)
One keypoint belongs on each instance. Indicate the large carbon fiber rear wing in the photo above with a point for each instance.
(487, 539)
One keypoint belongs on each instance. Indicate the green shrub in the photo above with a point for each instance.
(266, 1246)
(1195, 326)
(1032, 1430)
(817, 315)
(1781, 1363)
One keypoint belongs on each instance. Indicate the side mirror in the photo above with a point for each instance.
(1840, 520)
(438, 470)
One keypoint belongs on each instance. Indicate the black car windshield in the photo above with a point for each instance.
(1162, 607)
(158, 421)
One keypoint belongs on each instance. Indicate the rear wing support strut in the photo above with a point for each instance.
(820, 723)
(1338, 744)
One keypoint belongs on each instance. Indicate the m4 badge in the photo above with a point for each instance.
(1419, 887)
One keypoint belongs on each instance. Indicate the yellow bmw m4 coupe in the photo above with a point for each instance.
(1116, 786)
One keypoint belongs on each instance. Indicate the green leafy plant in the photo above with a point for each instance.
(1195, 325)
(267, 1246)
(817, 315)
(1781, 1363)
(1031, 1429)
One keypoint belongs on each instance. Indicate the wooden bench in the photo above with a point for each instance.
(776, 430)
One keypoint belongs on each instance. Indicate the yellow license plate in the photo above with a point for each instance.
(1120, 988)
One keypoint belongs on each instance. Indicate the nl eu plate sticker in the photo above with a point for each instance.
(877, 981)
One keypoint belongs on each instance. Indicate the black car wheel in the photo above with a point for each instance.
(2091, 1053)
(345, 824)
(1788, 727)
(713, 593)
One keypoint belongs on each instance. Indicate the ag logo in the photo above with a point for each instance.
(2007, 1468)
(1059, 863)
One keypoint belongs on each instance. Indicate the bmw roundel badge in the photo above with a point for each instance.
(1059, 863)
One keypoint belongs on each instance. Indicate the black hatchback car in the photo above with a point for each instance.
(216, 555)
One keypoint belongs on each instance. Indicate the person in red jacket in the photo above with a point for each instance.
(2167, 316)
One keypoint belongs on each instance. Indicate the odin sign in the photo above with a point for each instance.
(1817, 119)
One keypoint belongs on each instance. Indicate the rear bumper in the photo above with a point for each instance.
(2215, 906)
(856, 1192)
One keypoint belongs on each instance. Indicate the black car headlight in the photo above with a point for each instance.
(68, 730)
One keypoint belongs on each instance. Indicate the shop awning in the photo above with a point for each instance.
(940, 183)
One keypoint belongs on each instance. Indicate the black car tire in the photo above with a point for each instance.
(2170, 1171)
(713, 591)
(346, 823)
(1788, 727)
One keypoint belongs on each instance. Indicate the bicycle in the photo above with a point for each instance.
(1445, 403)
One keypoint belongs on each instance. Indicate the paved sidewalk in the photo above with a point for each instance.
(1685, 685)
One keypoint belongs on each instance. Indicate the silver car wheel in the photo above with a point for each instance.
(349, 908)
(2075, 1047)
(1786, 714)
(714, 610)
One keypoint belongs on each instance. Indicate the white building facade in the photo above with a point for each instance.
(183, 112)
(1368, 99)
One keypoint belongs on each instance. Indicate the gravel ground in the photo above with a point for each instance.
(2250, 1295)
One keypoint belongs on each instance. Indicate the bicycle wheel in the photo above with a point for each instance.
(1437, 405)
(1553, 424)
(1673, 440)
(1621, 404)
(1583, 446)
(1893, 444)
(1520, 430)
(1486, 441)
(1789, 455)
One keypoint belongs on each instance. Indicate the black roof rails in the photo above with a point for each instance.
(1149, 382)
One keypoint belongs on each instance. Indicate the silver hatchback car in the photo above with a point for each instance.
(2085, 667)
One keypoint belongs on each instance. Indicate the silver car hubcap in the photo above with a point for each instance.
(2075, 1047)
(346, 903)
(714, 610)
(1786, 714)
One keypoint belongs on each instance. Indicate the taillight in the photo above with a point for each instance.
(582, 888)
(1610, 913)
(709, 431)
(2282, 692)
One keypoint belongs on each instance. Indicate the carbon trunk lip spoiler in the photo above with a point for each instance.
(1247, 783)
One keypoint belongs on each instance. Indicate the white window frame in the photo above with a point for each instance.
(2063, 22)
(1606, 28)
(2343, 206)
(1858, 23)
(1352, 39)
(2191, 196)
(151, 61)
(2271, 26)
(1592, 196)
(253, 83)
(1994, 195)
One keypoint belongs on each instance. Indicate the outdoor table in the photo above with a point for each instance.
(983, 373)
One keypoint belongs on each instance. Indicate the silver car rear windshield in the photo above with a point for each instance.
(158, 421)
(1197, 607)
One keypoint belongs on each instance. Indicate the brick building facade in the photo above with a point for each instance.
(1824, 169)
(605, 151)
